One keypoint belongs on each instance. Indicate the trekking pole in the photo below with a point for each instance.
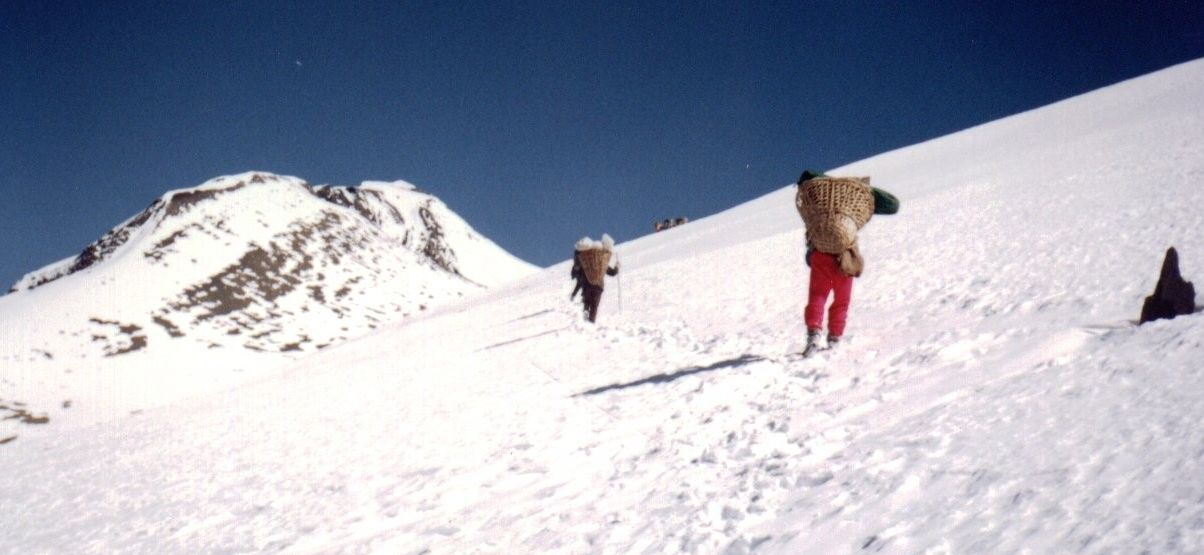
(620, 277)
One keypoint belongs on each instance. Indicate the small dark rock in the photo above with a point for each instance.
(1173, 296)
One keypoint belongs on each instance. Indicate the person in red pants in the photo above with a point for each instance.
(826, 279)
(832, 275)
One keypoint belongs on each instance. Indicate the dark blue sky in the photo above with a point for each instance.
(538, 123)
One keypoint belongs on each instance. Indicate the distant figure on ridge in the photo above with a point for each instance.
(669, 222)
(591, 263)
(833, 210)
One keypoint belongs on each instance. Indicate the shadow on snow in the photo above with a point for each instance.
(524, 338)
(670, 376)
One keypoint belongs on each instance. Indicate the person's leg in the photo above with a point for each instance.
(838, 314)
(818, 289)
(595, 297)
(585, 301)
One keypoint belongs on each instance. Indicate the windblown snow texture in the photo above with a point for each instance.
(992, 394)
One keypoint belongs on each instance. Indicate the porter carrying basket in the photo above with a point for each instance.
(594, 263)
(834, 209)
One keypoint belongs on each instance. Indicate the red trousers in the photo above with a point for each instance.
(826, 278)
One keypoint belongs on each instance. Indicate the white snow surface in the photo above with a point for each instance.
(993, 394)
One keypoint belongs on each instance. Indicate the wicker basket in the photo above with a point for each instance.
(834, 209)
(594, 263)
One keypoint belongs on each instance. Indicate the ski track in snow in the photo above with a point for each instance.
(993, 394)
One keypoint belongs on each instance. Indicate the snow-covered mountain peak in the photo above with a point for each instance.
(271, 263)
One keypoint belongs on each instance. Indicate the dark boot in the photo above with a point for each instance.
(812, 343)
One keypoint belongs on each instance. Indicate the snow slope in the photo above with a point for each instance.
(994, 395)
(212, 285)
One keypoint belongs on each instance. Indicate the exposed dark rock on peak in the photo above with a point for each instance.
(435, 248)
(180, 202)
(362, 201)
(98, 250)
(1173, 296)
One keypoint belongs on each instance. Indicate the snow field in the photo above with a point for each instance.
(993, 395)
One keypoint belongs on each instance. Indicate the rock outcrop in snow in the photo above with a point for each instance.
(1173, 296)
